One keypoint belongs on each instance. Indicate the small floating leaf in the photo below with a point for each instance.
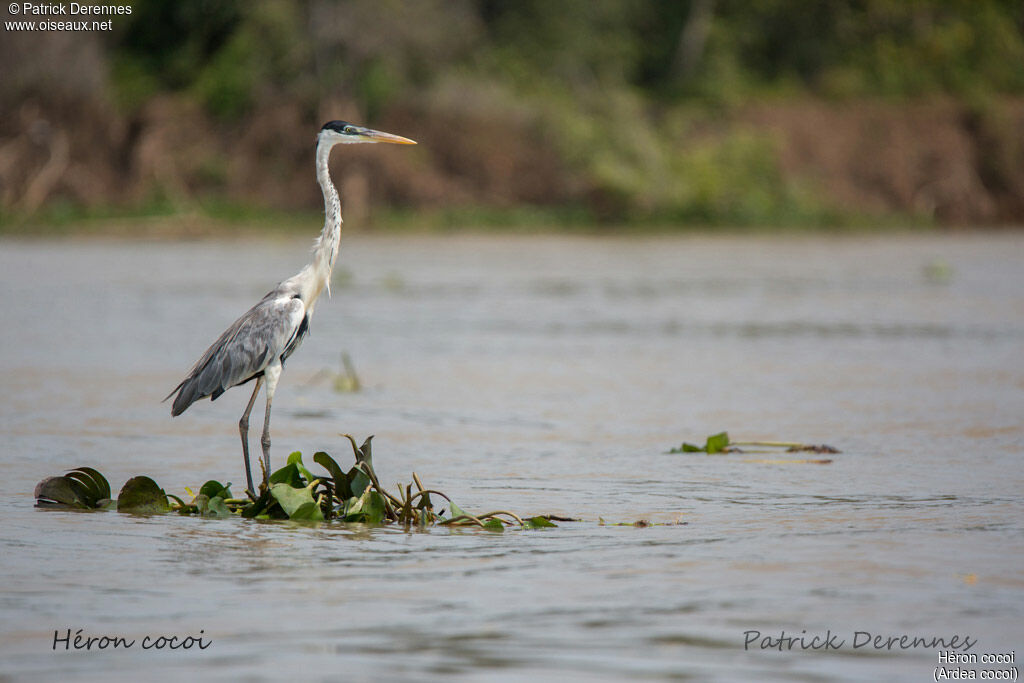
(218, 508)
(368, 508)
(141, 495)
(540, 523)
(82, 487)
(494, 524)
(87, 486)
(291, 498)
(95, 484)
(307, 512)
(717, 443)
(214, 488)
(60, 491)
(102, 484)
(456, 511)
(201, 503)
(211, 507)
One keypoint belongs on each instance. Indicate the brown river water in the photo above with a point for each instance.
(539, 375)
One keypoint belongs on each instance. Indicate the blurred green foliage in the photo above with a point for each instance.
(627, 90)
(227, 50)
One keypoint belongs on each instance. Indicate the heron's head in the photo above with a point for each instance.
(343, 132)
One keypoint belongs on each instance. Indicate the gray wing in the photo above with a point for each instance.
(266, 332)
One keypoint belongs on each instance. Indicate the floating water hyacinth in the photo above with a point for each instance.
(82, 488)
(721, 444)
(293, 493)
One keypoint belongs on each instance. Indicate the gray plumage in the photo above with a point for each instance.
(268, 332)
(256, 345)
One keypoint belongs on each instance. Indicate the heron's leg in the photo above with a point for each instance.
(272, 374)
(243, 429)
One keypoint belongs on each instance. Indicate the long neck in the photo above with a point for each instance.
(325, 250)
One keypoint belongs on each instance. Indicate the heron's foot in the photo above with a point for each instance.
(252, 496)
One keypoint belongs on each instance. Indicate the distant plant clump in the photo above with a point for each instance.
(720, 444)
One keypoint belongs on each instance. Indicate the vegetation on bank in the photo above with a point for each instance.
(706, 112)
(162, 222)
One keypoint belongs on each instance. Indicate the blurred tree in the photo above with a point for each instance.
(692, 39)
(579, 43)
(864, 47)
(717, 49)
(163, 44)
(372, 50)
(268, 52)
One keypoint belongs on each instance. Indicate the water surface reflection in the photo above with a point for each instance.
(536, 374)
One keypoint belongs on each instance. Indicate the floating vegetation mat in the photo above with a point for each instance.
(292, 492)
(719, 444)
(354, 495)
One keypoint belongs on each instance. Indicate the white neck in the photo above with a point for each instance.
(317, 275)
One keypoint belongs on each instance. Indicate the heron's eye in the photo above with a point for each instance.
(350, 130)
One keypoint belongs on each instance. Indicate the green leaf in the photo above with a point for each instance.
(349, 508)
(538, 523)
(368, 508)
(291, 498)
(494, 524)
(141, 495)
(358, 481)
(456, 511)
(94, 484)
(211, 507)
(259, 506)
(202, 503)
(308, 512)
(218, 508)
(364, 452)
(295, 458)
(717, 443)
(101, 482)
(60, 491)
(86, 486)
(690, 448)
(373, 507)
(213, 488)
(289, 474)
(341, 482)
